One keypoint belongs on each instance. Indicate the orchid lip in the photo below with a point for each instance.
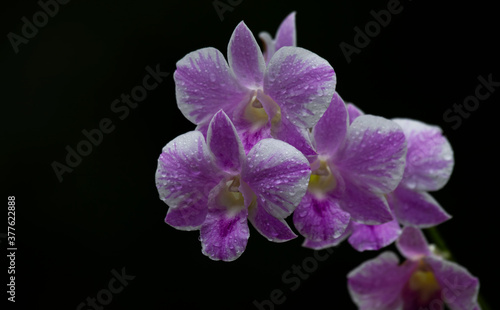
(234, 185)
(259, 108)
(231, 198)
(423, 281)
(255, 113)
(322, 179)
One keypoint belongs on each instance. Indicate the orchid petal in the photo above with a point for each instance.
(301, 83)
(373, 155)
(224, 234)
(364, 206)
(377, 283)
(416, 208)
(374, 237)
(354, 112)
(278, 174)
(204, 84)
(320, 219)
(429, 162)
(269, 46)
(187, 218)
(320, 245)
(185, 176)
(286, 34)
(250, 137)
(298, 137)
(274, 229)
(412, 244)
(459, 288)
(331, 129)
(224, 143)
(245, 57)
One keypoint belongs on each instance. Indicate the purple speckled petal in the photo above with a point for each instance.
(204, 84)
(298, 137)
(278, 174)
(185, 176)
(412, 244)
(224, 234)
(416, 208)
(354, 112)
(187, 218)
(286, 34)
(373, 155)
(245, 58)
(274, 229)
(364, 206)
(377, 283)
(301, 83)
(331, 129)
(224, 143)
(459, 287)
(269, 46)
(250, 137)
(374, 237)
(320, 245)
(429, 161)
(320, 219)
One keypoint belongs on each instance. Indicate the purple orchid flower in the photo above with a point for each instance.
(214, 186)
(362, 237)
(356, 166)
(429, 163)
(281, 99)
(285, 36)
(424, 281)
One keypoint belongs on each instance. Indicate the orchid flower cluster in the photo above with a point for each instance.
(274, 139)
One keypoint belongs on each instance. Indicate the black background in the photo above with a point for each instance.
(106, 214)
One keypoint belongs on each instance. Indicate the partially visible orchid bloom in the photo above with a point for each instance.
(214, 186)
(364, 237)
(429, 157)
(285, 36)
(429, 163)
(356, 166)
(424, 281)
(281, 99)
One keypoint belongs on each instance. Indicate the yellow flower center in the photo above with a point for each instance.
(425, 284)
(257, 115)
(230, 197)
(322, 179)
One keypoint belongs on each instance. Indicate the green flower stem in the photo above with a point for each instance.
(446, 253)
